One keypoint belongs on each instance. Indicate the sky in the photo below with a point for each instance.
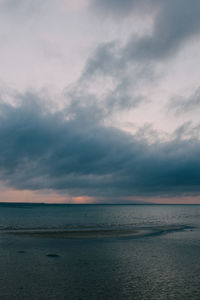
(100, 101)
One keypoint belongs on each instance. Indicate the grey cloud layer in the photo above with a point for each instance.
(175, 21)
(43, 150)
(72, 151)
(134, 63)
(21, 9)
(109, 61)
(124, 7)
(186, 104)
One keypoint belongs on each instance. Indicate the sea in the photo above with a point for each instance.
(99, 251)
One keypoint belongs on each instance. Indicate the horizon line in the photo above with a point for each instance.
(47, 203)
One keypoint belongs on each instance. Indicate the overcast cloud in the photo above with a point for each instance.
(43, 150)
(100, 98)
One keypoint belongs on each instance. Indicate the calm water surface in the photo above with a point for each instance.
(96, 216)
(163, 266)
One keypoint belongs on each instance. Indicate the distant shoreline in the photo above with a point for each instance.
(91, 204)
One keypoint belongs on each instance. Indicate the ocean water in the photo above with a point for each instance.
(161, 262)
(40, 216)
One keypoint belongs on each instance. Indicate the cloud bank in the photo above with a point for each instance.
(51, 150)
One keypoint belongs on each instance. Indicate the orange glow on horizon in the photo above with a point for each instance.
(11, 195)
(83, 200)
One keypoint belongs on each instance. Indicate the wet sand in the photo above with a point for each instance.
(95, 233)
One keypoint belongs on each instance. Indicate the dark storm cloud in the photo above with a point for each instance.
(44, 150)
(175, 21)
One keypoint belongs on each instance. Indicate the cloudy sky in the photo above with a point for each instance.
(100, 101)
